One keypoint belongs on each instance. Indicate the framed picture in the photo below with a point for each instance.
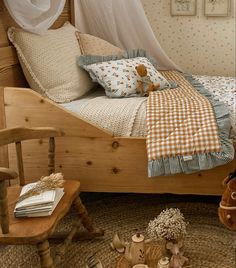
(183, 7)
(216, 7)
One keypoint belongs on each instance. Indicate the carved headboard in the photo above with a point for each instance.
(10, 70)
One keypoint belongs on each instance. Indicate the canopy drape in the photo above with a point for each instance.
(35, 15)
(123, 23)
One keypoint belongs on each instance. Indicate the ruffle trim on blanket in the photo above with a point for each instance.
(196, 162)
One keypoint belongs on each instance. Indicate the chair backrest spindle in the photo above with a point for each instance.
(20, 163)
(51, 156)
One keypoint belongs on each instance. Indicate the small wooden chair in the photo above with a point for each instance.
(37, 230)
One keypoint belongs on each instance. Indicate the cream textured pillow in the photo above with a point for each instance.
(92, 45)
(49, 62)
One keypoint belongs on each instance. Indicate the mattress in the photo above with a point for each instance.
(127, 116)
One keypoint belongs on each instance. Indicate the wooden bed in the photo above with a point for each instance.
(101, 162)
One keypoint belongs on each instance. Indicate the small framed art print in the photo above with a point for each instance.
(183, 7)
(216, 7)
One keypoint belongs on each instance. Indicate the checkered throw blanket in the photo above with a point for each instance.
(180, 121)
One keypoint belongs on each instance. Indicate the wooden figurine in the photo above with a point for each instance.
(135, 251)
(227, 207)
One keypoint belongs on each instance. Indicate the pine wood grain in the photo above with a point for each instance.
(4, 218)
(7, 174)
(102, 162)
(3, 149)
(21, 231)
(46, 260)
(19, 134)
(51, 156)
(12, 75)
(8, 57)
(3, 35)
(20, 165)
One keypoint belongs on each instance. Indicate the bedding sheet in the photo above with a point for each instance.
(119, 117)
(221, 88)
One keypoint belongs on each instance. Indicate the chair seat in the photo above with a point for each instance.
(34, 230)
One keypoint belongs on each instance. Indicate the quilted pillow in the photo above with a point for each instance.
(119, 77)
(92, 45)
(49, 62)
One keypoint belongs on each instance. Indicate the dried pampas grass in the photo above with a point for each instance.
(47, 183)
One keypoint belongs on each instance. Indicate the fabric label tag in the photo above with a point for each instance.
(187, 157)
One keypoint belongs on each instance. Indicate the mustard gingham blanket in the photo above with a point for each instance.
(180, 121)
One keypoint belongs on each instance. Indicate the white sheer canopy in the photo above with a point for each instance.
(123, 23)
(35, 15)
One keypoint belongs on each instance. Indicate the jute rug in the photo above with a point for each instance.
(207, 245)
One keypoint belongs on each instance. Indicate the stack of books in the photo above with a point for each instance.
(38, 205)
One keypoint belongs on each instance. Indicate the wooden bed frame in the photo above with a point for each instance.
(101, 162)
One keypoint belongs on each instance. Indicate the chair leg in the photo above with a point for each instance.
(46, 260)
(85, 219)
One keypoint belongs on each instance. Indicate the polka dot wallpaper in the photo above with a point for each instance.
(199, 44)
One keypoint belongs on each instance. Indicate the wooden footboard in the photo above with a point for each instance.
(101, 162)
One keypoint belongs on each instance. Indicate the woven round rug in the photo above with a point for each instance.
(207, 245)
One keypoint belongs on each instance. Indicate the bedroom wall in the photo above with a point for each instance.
(198, 44)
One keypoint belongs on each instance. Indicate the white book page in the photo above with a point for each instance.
(59, 192)
(59, 195)
(45, 197)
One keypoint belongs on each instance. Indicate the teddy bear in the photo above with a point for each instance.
(145, 85)
(227, 207)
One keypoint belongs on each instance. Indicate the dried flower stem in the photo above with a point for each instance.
(46, 183)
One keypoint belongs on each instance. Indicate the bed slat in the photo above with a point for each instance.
(8, 56)
(3, 36)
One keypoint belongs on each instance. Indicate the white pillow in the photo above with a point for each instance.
(119, 77)
(49, 62)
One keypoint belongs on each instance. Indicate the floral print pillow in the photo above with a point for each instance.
(119, 77)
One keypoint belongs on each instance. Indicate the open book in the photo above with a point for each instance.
(38, 205)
